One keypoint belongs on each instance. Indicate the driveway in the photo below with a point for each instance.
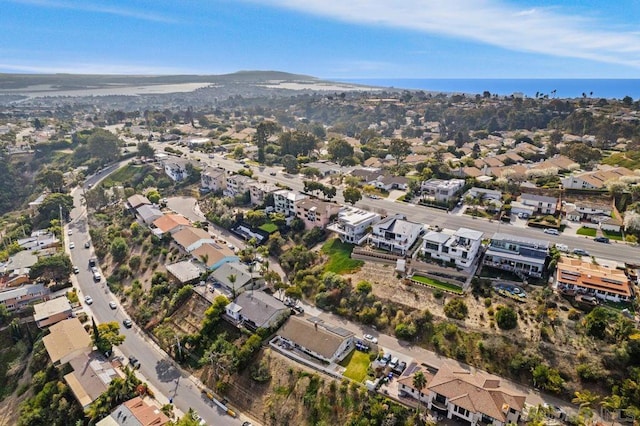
(187, 207)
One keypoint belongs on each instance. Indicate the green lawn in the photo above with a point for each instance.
(613, 235)
(269, 228)
(357, 364)
(340, 260)
(589, 232)
(123, 174)
(437, 284)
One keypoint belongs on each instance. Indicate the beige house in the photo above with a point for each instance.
(317, 339)
(191, 238)
(259, 192)
(138, 412)
(52, 311)
(315, 213)
(171, 223)
(213, 179)
(67, 340)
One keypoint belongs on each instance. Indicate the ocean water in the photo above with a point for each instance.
(556, 88)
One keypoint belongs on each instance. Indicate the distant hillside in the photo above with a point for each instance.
(17, 82)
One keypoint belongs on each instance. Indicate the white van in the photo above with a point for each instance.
(563, 248)
(551, 231)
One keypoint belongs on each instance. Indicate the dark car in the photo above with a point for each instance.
(133, 362)
(601, 240)
(580, 252)
(92, 262)
(87, 244)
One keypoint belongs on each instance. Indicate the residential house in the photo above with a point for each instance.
(367, 174)
(186, 271)
(18, 298)
(592, 279)
(315, 213)
(285, 202)
(352, 224)
(213, 179)
(260, 191)
(257, 309)
(237, 185)
(170, 223)
(318, 339)
(475, 397)
(483, 194)
(519, 208)
(405, 382)
(137, 200)
(395, 234)
(611, 224)
(190, 238)
(39, 240)
(237, 277)
(135, 412)
(66, 340)
(442, 191)
(90, 377)
(35, 204)
(52, 311)
(176, 169)
(586, 210)
(596, 179)
(326, 168)
(542, 204)
(149, 213)
(214, 255)
(388, 182)
(521, 255)
(461, 247)
(15, 271)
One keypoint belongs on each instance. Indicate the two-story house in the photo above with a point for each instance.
(176, 169)
(521, 255)
(259, 192)
(542, 204)
(595, 179)
(285, 202)
(352, 224)
(461, 247)
(395, 234)
(440, 190)
(474, 397)
(20, 297)
(594, 280)
(213, 179)
(315, 213)
(237, 185)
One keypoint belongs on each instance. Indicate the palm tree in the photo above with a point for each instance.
(612, 405)
(419, 382)
(585, 399)
(232, 280)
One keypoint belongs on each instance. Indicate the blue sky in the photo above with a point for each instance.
(325, 38)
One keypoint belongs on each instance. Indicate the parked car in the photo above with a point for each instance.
(76, 270)
(92, 262)
(370, 338)
(127, 323)
(551, 231)
(562, 247)
(69, 232)
(72, 245)
(385, 358)
(133, 361)
(394, 362)
(272, 173)
(88, 300)
(113, 305)
(87, 244)
(398, 369)
(601, 240)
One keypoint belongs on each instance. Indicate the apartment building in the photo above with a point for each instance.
(285, 202)
(237, 185)
(260, 191)
(315, 213)
(213, 179)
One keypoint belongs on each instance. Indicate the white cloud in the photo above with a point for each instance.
(539, 30)
(91, 68)
(98, 8)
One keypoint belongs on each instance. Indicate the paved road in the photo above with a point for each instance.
(620, 252)
(156, 366)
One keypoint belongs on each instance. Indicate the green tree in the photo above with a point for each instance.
(506, 318)
(585, 399)
(352, 195)
(419, 382)
(54, 204)
(293, 292)
(96, 198)
(256, 218)
(52, 179)
(290, 163)
(103, 145)
(119, 249)
(145, 150)
(53, 268)
(340, 150)
(232, 280)
(597, 322)
(456, 309)
(612, 404)
(154, 196)
(107, 337)
(547, 378)
(399, 149)
(5, 315)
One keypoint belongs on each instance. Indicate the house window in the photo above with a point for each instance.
(441, 399)
(462, 411)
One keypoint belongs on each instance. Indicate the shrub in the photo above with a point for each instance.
(506, 318)
(406, 331)
(573, 314)
(487, 302)
(456, 309)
